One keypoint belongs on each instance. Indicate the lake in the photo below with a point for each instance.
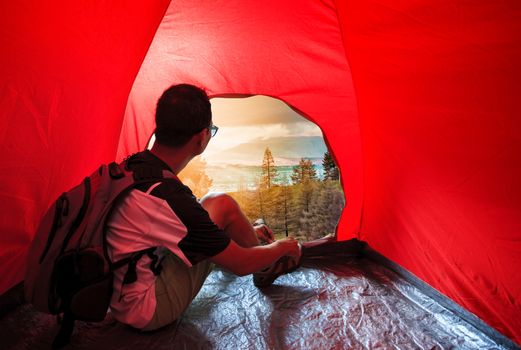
(231, 178)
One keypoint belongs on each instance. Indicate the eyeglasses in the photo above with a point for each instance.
(213, 129)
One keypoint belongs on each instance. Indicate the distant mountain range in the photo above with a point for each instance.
(285, 151)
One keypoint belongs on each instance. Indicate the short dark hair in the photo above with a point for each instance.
(182, 111)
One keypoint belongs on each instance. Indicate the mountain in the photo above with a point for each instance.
(285, 150)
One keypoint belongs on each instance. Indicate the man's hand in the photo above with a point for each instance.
(264, 233)
(243, 261)
(290, 246)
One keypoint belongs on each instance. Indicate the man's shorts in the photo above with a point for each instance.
(176, 287)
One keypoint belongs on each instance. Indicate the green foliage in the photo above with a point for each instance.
(303, 172)
(307, 209)
(330, 169)
(324, 211)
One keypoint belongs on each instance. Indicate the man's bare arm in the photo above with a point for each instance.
(243, 261)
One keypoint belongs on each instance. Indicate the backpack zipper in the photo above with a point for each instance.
(81, 215)
(56, 223)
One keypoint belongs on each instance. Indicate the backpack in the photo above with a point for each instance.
(69, 271)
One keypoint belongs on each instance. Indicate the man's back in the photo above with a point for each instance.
(166, 215)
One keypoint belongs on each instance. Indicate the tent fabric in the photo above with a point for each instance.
(417, 101)
(67, 68)
(437, 85)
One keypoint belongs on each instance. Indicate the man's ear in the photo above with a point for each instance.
(200, 141)
(201, 136)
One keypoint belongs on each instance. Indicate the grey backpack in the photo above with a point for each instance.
(69, 272)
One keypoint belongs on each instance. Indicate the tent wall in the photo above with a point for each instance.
(67, 68)
(438, 85)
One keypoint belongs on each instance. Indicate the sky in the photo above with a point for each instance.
(257, 120)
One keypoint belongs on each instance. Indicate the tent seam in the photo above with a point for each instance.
(359, 230)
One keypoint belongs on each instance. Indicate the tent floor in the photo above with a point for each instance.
(349, 304)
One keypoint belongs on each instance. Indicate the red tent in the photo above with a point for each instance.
(418, 101)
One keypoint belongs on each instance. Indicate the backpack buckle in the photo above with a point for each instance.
(115, 171)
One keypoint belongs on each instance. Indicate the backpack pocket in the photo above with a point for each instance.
(91, 302)
(83, 285)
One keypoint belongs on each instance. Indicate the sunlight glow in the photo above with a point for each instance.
(249, 125)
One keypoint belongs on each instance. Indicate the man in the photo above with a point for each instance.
(190, 235)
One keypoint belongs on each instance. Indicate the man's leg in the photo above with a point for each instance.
(228, 216)
(175, 288)
(226, 213)
(178, 284)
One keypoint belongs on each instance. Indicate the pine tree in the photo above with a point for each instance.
(278, 208)
(306, 190)
(269, 171)
(304, 179)
(329, 203)
(274, 208)
(295, 209)
(330, 169)
(286, 203)
(304, 171)
(324, 211)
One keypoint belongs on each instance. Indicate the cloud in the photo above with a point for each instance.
(285, 150)
(231, 136)
(248, 125)
(256, 110)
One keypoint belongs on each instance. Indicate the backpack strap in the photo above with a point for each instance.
(152, 187)
(147, 173)
(141, 175)
(64, 334)
(131, 261)
(115, 171)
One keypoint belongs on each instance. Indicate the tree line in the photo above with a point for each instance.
(303, 205)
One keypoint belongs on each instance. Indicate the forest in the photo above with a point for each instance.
(302, 205)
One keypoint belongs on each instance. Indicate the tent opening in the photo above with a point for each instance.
(274, 163)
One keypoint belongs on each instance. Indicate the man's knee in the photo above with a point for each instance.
(220, 206)
(218, 199)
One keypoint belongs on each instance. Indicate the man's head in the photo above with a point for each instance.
(182, 111)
